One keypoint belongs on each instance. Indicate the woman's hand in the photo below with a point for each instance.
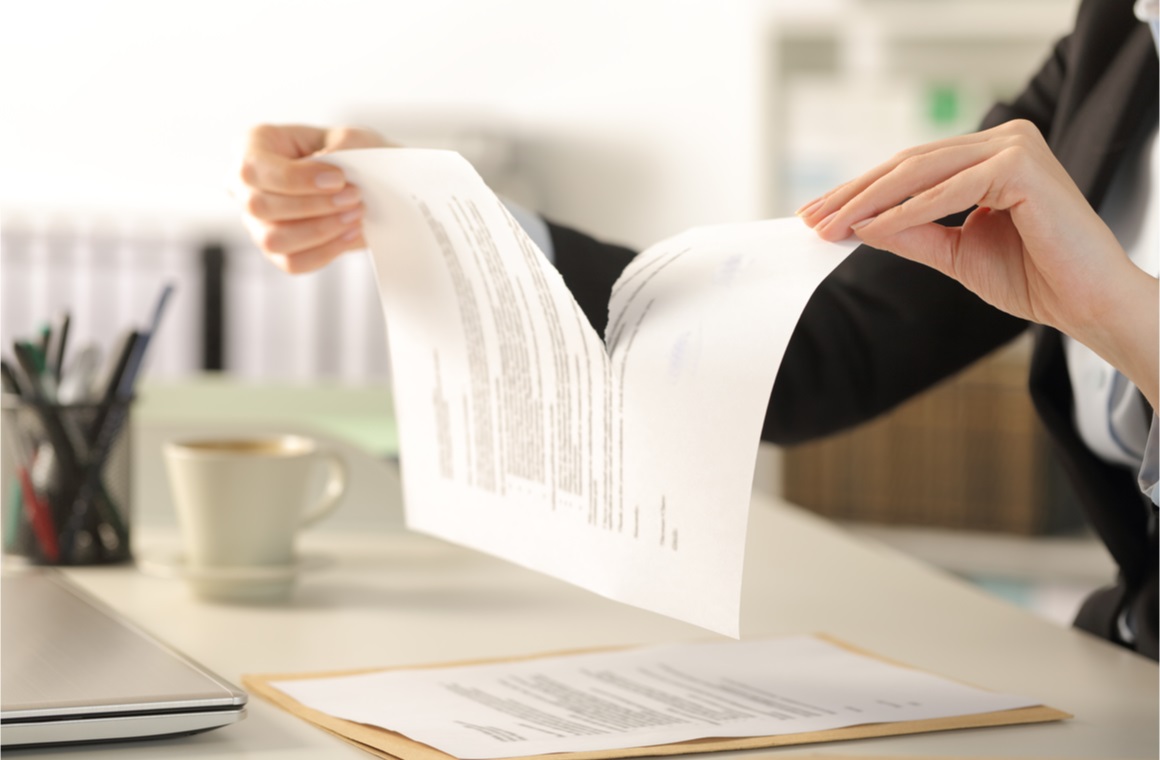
(301, 213)
(1033, 247)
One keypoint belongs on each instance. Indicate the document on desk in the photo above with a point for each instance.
(642, 697)
(625, 467)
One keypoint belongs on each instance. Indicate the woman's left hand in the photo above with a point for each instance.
(1033, 246)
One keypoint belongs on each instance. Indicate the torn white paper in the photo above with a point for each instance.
(626, 471)
(641, 697)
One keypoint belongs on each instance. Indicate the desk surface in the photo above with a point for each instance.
(396, 598)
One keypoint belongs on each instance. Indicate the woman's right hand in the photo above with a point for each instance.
(302, 213)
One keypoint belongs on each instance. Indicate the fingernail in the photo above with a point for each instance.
(330, 181)
(350, 234)
(859, 225)
(810, 207)
(348, 196)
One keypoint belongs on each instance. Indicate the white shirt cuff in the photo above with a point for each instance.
(535, 226)
(1150, 468)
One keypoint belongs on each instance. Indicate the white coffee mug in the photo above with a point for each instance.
(241, 502)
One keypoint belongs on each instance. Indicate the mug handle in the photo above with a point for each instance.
(332, 494)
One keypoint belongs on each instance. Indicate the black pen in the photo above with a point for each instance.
(8, 379)
(54, 353)
(159, 308)
(110, 382)
(133, 367)
(137, 355)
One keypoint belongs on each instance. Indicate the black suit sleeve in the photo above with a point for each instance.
(1039, 101)
(877, 331)
(589, 268)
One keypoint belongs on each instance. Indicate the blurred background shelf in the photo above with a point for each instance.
(853, 86)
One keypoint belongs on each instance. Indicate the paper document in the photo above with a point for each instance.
(624, 469)
(642, 697)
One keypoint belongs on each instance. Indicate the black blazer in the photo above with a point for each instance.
(881, 329)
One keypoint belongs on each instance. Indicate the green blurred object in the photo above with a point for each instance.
(15, 516)
(943, 104)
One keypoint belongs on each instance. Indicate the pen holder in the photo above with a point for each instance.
(66, 484)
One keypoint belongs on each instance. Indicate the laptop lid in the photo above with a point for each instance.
(73, 670)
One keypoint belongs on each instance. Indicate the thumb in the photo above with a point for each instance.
(984, 252)
(271, 161)
(929, 244)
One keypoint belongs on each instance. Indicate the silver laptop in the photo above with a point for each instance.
(73, 670)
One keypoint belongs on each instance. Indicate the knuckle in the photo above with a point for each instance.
(263, 132)
(248, 173)
(905, 155)
(256, 206)
(342, 135)
(908, 154)
(346, 136)
(912, 162)
(292, 264)
(301, 263)
(1015, 157)
(1022, 127)
(272, 240)
(1023, 132)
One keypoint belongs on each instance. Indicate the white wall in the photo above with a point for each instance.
(636, 118)
(648, 110)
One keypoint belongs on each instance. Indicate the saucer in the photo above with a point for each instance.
(248, 583)
(175, 566)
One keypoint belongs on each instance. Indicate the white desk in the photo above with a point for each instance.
(396, 598)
